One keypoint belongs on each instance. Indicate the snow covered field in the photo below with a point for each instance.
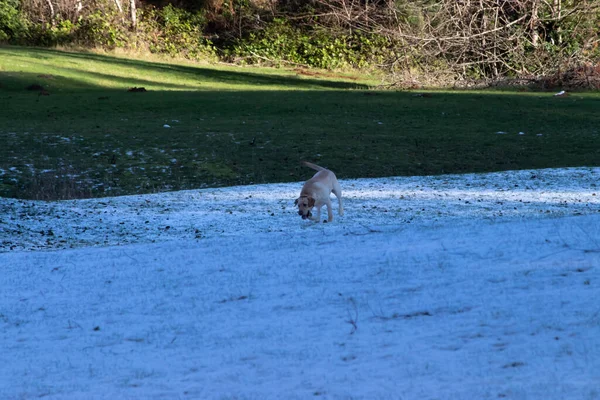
(450, 287)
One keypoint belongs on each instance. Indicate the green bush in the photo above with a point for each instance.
(280, 42)
(13, 26)
(103, 28)
(175, 32)
(61, 33)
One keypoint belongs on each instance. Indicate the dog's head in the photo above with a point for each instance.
(305, 205)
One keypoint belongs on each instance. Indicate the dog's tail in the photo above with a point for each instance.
(313, 166)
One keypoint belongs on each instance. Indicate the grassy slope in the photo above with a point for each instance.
(243, 125)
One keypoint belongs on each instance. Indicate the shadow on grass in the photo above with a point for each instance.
(196, 72)
(85, 139)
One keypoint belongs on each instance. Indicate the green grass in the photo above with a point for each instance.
(91, 137)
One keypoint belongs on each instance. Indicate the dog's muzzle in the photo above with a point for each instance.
(305, 216)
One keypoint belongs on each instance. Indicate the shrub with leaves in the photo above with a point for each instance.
(176, 32)
(103, 28)
(281, 43)
(13, 25)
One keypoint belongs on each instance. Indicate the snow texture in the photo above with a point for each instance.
(480, 286)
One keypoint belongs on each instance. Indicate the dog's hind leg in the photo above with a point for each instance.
(337, 190)
(329, 211)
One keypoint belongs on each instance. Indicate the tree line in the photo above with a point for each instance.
(415, 41)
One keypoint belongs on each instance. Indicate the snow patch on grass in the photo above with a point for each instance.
(462, 286)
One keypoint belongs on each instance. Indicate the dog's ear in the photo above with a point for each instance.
(311, 202)
(296, 201)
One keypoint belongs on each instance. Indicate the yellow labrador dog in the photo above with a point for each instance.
(316, 191)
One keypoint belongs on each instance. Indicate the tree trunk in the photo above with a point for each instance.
(535, 36)
(78, 8)
(557, 13)
(133, 11)
(51, 12)
(118, 3)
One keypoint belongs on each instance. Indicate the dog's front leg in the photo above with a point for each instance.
(318, 216)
